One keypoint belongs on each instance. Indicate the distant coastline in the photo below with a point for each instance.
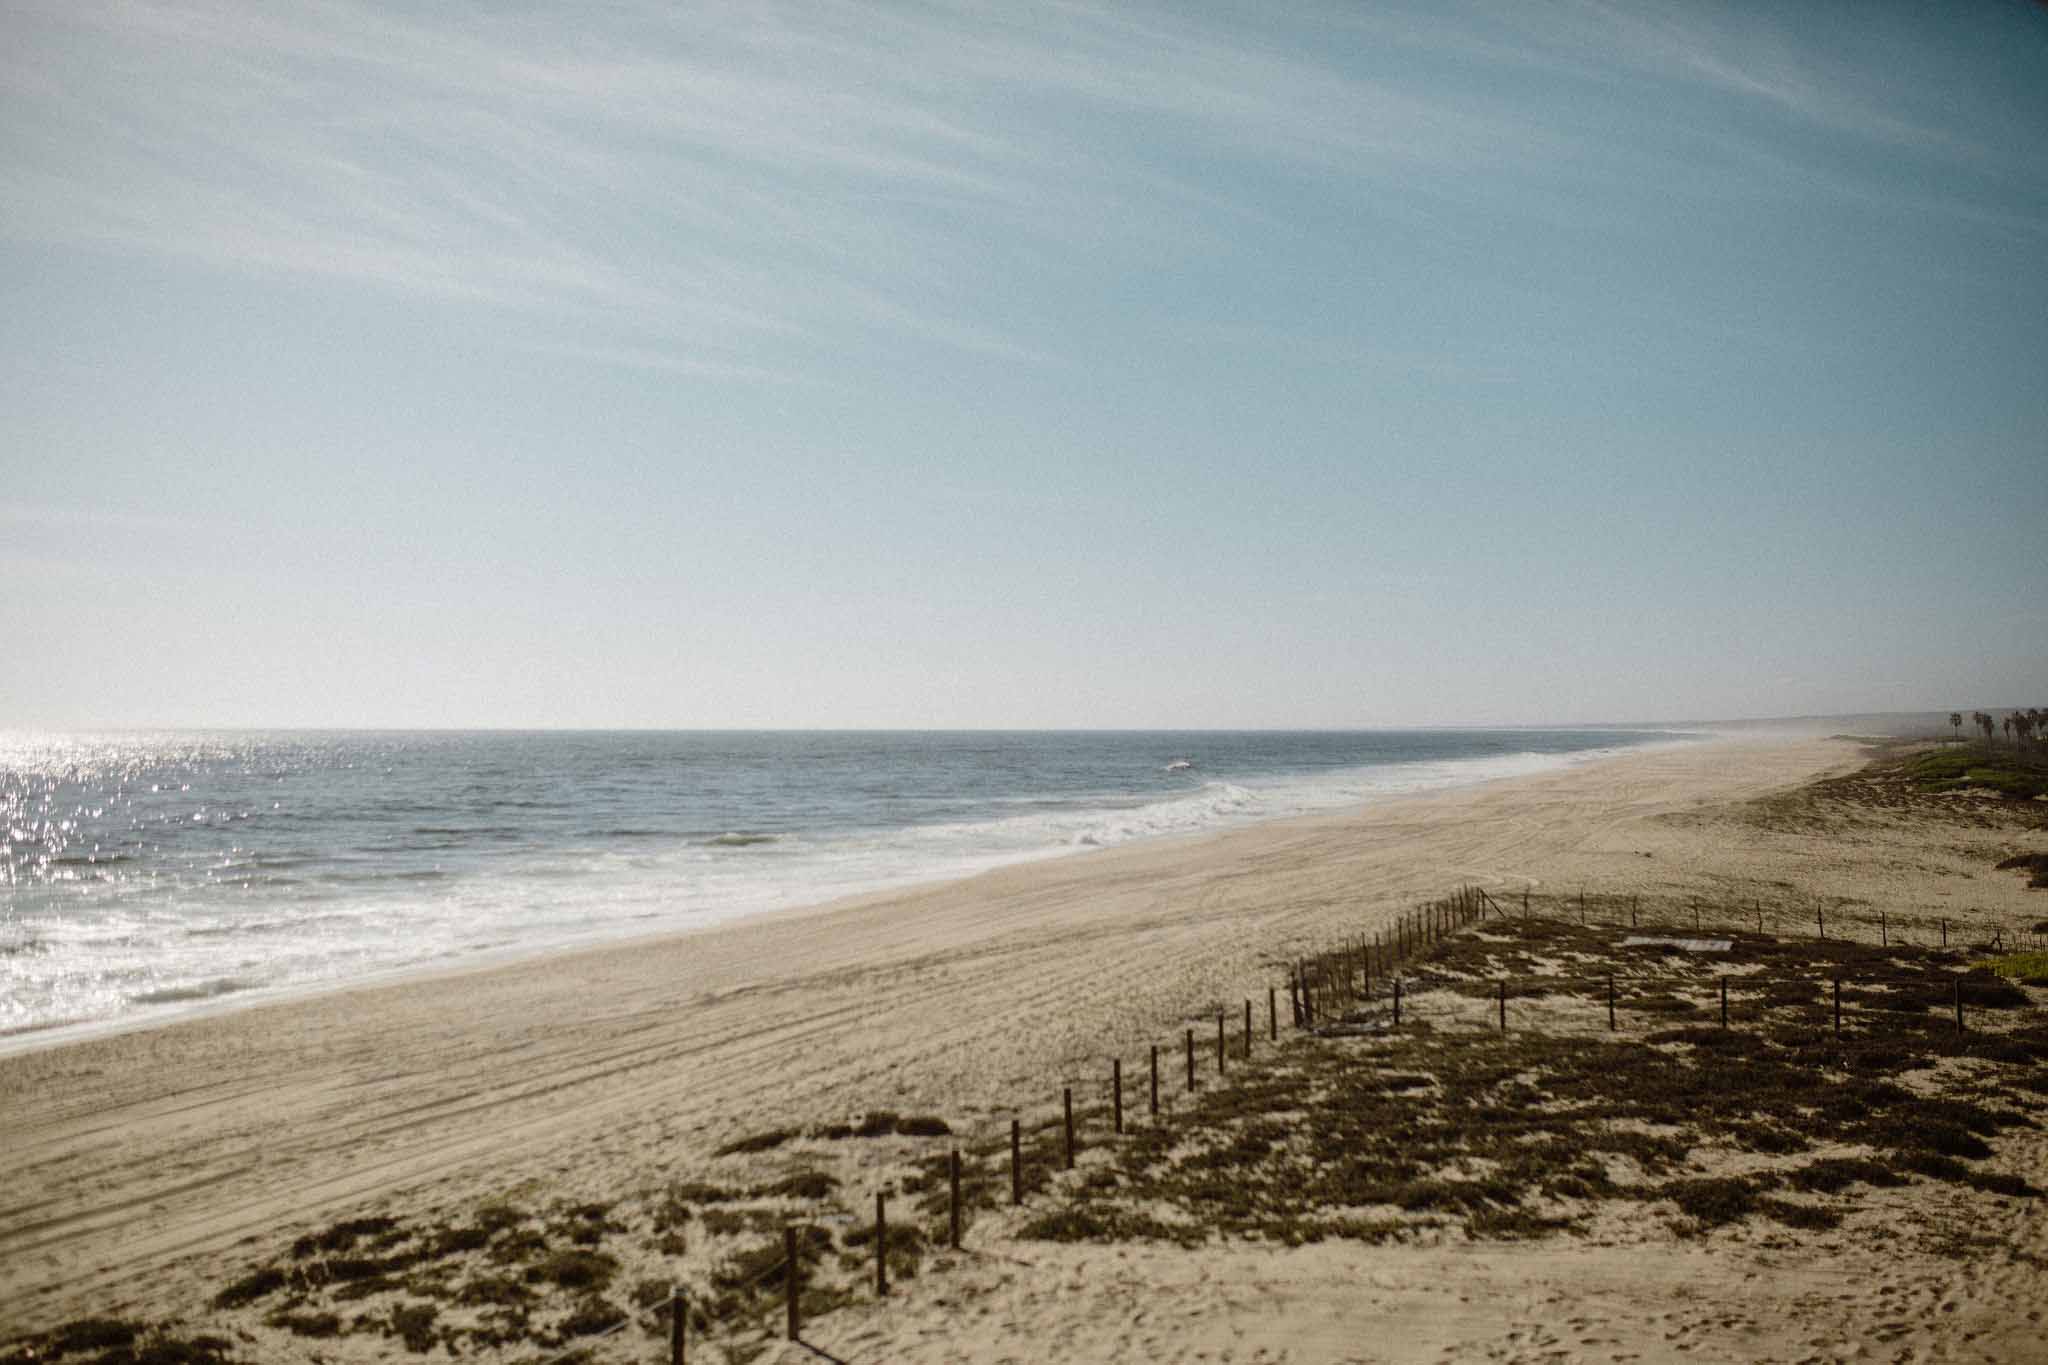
(258, 865)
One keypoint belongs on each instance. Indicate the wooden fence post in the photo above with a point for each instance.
(789, 1277)
(1397, 1002)
(1820, 917)
(1219, 1044)
(678, 1316)
(1247, 1030)
(1116, 1091)
(1155, 1080)
(881, 1248)
(1944, 933)
(1191, 1059)
(1884, 932)
(1273, 1013)
(953, 1171)
(1016, 1162)
(1067, 1105)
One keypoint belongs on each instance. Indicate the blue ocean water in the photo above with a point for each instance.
(148, 873)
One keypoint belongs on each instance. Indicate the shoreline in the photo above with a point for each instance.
(36, 1037)
(143, 1160)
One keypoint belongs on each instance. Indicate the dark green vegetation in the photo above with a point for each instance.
(1951, 782)
(1451, 1124)
(2018, 773)
(2029, 969)
(2000, 788)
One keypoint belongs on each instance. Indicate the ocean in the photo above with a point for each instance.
(145, 874)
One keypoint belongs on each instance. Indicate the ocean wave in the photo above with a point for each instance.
(253, 928)
(204, 990)
(471, 831)
(408, 874)
(1215, 803)
(731, 839)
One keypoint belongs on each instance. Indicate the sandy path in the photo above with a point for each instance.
(131, 1165)
(1344, 1302)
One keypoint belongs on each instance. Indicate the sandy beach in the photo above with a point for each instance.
(147, 1168)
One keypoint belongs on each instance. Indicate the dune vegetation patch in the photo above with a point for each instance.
(2008, 771)
(2029, 969)
(1451, 1126)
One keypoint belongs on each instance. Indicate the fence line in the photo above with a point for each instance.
(1324, 988)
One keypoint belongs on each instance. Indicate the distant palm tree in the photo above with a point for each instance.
(2008, 728)
(1955, 721)
(1986, 724)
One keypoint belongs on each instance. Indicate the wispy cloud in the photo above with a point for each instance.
(710, 182)
(1752, 60)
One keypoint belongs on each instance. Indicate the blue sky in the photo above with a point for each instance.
(1015, 365)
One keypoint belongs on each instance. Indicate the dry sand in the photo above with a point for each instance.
(145, 1169)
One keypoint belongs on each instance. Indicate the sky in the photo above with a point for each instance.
(1015, 365)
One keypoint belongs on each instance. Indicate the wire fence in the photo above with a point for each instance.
(1354, 985)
